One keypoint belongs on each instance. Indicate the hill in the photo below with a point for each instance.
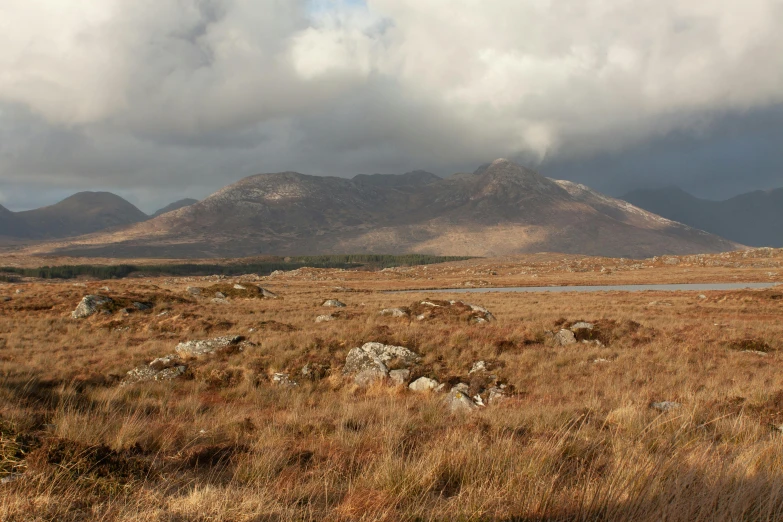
(174, 206)
(502, 208)
(752, 219)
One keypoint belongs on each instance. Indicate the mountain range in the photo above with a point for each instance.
(501, 208)
(82, 213)
(754, 218)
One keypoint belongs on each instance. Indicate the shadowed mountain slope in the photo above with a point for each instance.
(754, 218)
(186, 202)
(502, 208)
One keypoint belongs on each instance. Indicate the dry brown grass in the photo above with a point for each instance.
(575, 441)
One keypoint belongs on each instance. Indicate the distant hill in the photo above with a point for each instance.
(754, 218)
(502, 208)
(175, 206)
(82, 213)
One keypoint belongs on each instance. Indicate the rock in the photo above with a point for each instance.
(457, 401)
(702, 296)
(314, 371)
(90, 305)
(334, 302)
(477, 320)
(565, 337)
(19, 291)
(464, 388)
(429, 303)
(282, 379)
(220, 295)
(147, 373)
(167, 361)
(368, 363)
(208, 347)
(142, 306)
(487, 314)
(220, 300)
(496, 394)
(423, 384)
(5, 299)
(194, 290)
(582, 326)
(239, 287)
(399, 377)
(394, 312)
(479, 366)
(665, 406)
(267, 294)
(420, 317)
(756, 352)
(12, 477)
(324, 318)
(601, 360)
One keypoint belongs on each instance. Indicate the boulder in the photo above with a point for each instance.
(423, 384)
(399, 377)
(458, 401)
(148, 373)
(91, 304)
(394, 312)
(208, 347)
(369, 363)
(565, 337)
(334, 303)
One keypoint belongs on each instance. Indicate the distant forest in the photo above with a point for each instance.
(359, 261)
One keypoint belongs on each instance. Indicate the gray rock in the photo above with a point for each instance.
(565, 337)
(142, 306)
(461, 387)
(334, 302)
(220, 300)
(220, 295)
(496, 394)
(423, 384)
(90, 305)
(207, 347)
(399, 377)
(314, 371)
(283, 380)
(665, 406)
(267, 294)
(167, 361)
(458, 401)
(479, 366)
(147, 373)
(194, 290)
(582, 326)
(394, 312)
(324, 318)
(368, 363)
(431, 304)
(239, 287)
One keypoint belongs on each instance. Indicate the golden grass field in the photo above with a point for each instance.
(575, 438)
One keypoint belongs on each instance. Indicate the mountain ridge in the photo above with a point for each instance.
(502, 208)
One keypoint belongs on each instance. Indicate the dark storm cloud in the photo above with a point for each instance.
(157, 100)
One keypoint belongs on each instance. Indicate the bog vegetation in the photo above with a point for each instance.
(670, 408)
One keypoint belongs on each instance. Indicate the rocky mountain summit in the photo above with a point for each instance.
(502, 208)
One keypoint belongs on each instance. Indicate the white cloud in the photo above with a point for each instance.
(351, 86)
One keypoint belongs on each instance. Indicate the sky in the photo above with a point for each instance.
(157, 100)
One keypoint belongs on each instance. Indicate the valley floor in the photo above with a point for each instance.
(670, 406)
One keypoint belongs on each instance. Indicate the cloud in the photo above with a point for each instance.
(146, 93)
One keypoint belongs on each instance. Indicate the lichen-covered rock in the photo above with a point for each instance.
(208, 347)
(324, 318)
(369, 362)
(665, 406)
(399, 377)
(90, 305)
(394, 312)
(423, 384)
(565, 337)
(194, 290)
(148, 373)
(283, 380)
(457, 401)
(581, 325)
(334, 302)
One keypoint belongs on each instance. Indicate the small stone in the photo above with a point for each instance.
(423, 384)
(207, 347)
(582, 326)
(495, 394)
(479, 366)
(334, 302)
(283, 380)
(220, 295)
(399, 377)
(756, 352)
(394, 312)
(18, 291)
(239, 287)
(267, 294)
(702, 296)
(565, 337)
(430, 303)
(464, 388)
(420, 317)
(194, 290)
(324, 318)
(458, 401)
(665, 406)
(142, 305)
(220, 300)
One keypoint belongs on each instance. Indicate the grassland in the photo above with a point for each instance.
(575, 439)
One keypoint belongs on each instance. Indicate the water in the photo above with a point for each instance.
(693, 287)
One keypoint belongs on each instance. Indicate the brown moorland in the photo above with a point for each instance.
(574, 438)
